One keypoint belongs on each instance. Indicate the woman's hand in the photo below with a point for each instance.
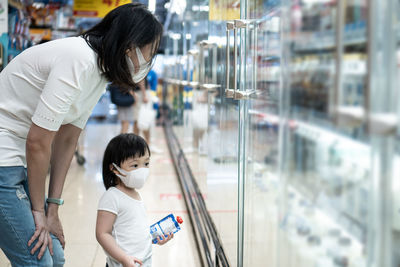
(165, 239)
(133, 93)
(41, 233)
(145, 99)
(55, 227)
(131, 261)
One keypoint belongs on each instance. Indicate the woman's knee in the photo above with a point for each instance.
(58, 258)
(48, 260)
(58, 253)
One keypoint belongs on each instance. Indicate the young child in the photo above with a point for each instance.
(122, 229)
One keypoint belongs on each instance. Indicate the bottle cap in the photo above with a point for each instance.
(179, 219)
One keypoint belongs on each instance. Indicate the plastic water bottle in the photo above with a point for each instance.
(165, 226)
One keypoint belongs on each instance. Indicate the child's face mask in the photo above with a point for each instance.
(135, 178)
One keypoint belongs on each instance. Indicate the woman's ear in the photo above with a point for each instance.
(129, 52)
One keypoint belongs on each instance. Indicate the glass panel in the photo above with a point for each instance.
(186, 105)
(205, 121)
(183, 72)
(384, 117)
(395, 230)
(326, 157)
(222, 161)
(261, 64)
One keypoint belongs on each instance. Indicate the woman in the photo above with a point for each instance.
(47, 95)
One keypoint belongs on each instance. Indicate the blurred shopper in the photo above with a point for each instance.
(200, 122)
(47, 95)
(141, 97)
(122, 229)
(125, 102)
(145, 110)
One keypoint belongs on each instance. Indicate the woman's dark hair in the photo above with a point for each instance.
(119, 149)
(125, 27)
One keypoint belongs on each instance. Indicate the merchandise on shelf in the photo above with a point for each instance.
(52, 21)
(313, 25)
(354, 71)
(311, 79)
(18, 37)
(30, 24)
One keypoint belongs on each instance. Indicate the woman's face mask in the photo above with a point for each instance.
(144, 67)
(135, 178)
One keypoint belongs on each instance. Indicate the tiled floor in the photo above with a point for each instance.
(215, 180)
(83, 188)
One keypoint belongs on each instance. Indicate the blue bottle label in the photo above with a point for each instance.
(164, 227)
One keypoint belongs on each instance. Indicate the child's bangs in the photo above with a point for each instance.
(133, 147)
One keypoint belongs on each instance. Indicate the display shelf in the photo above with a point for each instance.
(315, 220)
(272, 119)
(315, 41)
(17, 38)
(311, 66)
(317, 133)
(268, 80)
(270, 56)
(312, 218)
(73, 30)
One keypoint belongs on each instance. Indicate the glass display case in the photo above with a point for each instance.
(327, 155)
(291, 129)
(259, 95)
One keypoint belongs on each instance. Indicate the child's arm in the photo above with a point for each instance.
(104, 224)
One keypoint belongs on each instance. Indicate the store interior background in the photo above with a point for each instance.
(285, 114)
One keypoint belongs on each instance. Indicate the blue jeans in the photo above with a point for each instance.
(17, 225)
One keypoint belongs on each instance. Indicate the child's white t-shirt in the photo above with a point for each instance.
(130, 230)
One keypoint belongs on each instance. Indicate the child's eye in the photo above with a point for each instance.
(135, 166)
(147, 164)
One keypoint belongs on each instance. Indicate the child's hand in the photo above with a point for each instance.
(165, 239)
(131, 261)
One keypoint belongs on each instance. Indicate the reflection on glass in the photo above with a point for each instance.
(305, 163)
(327, 157)
(262, 58)
(222, 159)
(205, 122)
(396, 198)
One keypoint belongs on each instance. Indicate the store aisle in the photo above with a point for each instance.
(83, 188)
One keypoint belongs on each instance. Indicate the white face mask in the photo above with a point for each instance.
(144, 67)
(135, 178)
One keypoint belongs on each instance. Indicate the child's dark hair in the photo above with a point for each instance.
(119, 149)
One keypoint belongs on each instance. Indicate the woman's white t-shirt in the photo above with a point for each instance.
(131, 230)
(51, 84)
